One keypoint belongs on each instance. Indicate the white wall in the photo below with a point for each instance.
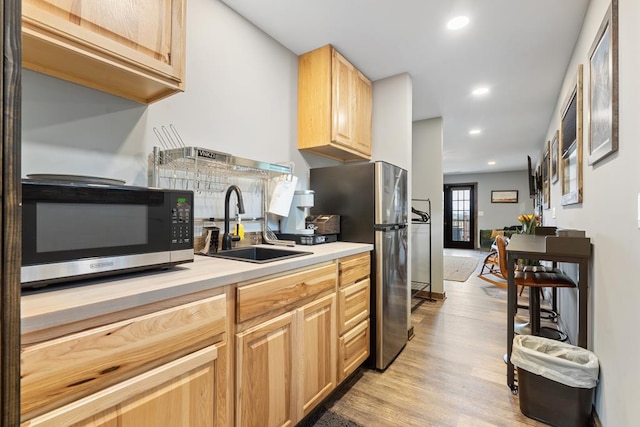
(426, 172)
(497, 215)
(392, 109)
(240, 98)
(609, 216)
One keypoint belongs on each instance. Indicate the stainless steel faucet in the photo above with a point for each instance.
(226, 237)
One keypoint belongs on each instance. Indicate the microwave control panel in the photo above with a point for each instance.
(182, 220)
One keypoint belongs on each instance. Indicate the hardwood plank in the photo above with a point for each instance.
(450, 374)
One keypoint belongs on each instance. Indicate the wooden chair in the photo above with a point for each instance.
(536, 278)
(490, 263)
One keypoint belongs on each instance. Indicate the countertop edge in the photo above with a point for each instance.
(51, 308)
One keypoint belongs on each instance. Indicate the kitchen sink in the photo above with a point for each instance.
(258, 254)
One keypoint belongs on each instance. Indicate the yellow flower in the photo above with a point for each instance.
(529, 222)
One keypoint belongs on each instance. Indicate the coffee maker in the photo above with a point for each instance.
(295, 226)
(295, 222)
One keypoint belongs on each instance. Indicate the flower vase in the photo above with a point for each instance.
(528, 228)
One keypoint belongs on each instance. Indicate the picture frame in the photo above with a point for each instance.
(546, 176)
(570, 144)
(504, 196)
(603, 88)
(554, 166)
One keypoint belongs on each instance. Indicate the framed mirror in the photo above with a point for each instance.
(571, 144)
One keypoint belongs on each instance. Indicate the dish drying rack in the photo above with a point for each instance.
(202, 169)
(175, 165)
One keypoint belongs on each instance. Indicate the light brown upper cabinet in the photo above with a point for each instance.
(334, 106)
(132, 49)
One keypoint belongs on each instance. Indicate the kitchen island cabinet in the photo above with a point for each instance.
(135, 51)
(334, 106)
(196, 340)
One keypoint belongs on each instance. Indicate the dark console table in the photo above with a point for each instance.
(576, 250)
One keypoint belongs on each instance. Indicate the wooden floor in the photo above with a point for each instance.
(450, 374)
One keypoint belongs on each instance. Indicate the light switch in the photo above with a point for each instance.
(553, 213)
(481, 213)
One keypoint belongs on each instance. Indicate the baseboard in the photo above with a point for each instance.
(434, 295)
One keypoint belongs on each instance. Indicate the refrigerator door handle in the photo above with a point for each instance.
(389, 227)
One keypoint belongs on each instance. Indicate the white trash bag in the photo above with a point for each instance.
(564, 363)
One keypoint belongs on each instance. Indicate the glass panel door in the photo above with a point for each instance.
(459, 206)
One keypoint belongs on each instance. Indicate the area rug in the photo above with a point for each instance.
(459, 268)
(324, 417)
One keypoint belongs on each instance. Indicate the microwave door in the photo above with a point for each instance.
(77, 231)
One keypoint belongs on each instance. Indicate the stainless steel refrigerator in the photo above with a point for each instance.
(371, 199)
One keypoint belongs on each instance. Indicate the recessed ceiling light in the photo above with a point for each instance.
(491, 162)
(475, 131)
(480, 91)
(457, 22)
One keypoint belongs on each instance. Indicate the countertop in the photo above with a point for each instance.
(79, 301)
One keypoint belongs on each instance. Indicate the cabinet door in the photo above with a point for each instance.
(362, 112)
(129, 48)
(317, 332)
(264, 356)
(180, 393)
(342, 99)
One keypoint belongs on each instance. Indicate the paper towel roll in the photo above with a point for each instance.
(304, 198)
(282, 196)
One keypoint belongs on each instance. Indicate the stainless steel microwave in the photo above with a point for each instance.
(74, 231)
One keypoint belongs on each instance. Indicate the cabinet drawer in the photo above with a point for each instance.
(180, 391)
(354, 268)
(59, 371)
(353, 349)
(284, 291)
(353, 305)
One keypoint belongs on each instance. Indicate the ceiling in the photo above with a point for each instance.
(519, 49)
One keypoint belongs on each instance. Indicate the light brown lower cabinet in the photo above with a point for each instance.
(317, 377)
(353, 313)
(184, 362)
(353, 350)
(179, 393)
(264, 382)
(161, 367)
(285, 366)
(353, 304)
